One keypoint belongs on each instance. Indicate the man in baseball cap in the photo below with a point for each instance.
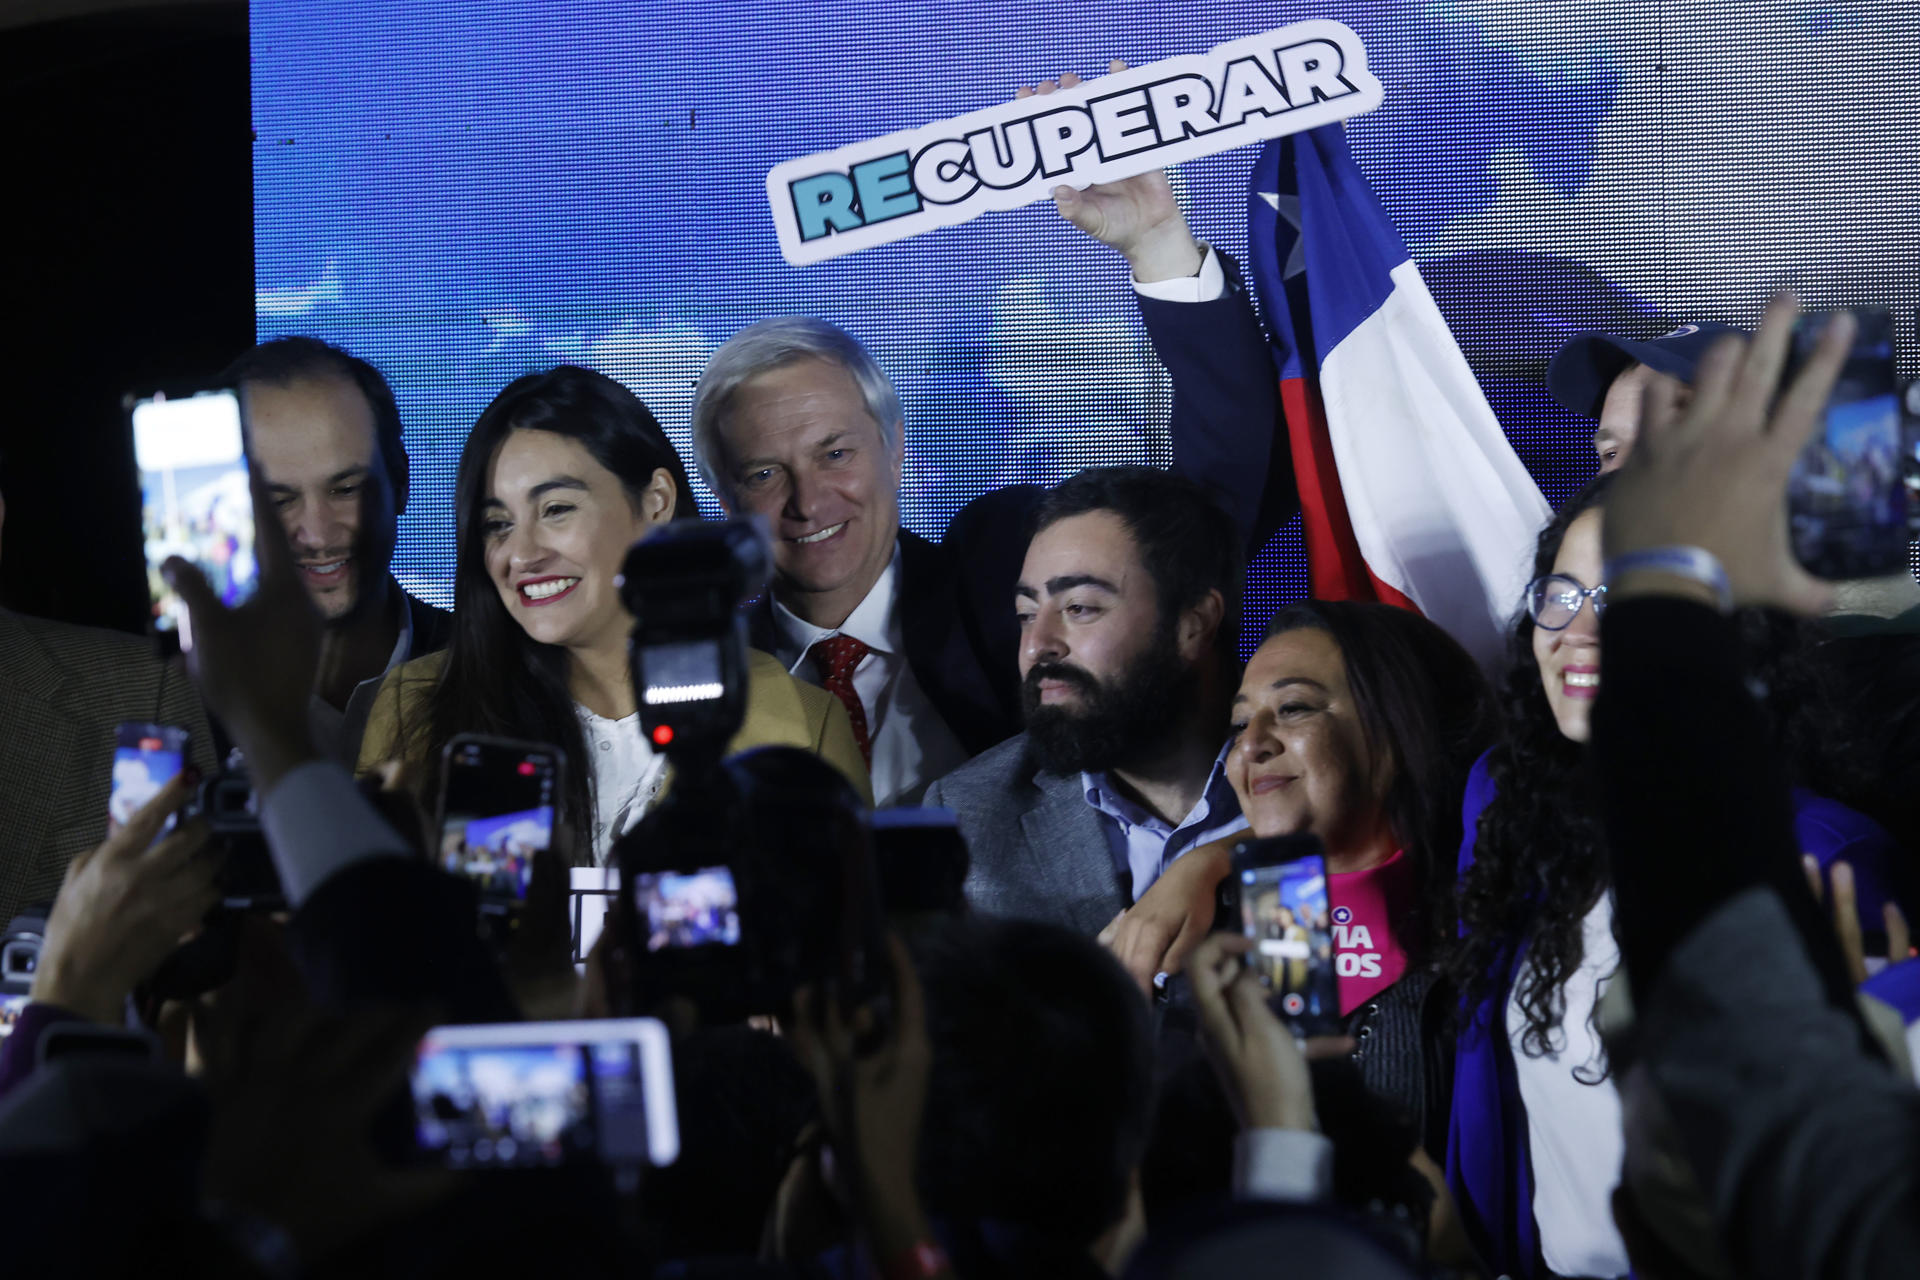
(1607, 378)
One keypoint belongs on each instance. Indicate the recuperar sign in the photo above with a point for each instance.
(1013, 153)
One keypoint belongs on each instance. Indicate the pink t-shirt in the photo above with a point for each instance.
(1367, 957)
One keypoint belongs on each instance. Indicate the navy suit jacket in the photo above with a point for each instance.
(956, 595)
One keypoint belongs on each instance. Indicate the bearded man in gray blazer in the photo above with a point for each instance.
(1128, 605)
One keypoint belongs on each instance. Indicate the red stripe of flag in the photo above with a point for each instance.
(1335, 568)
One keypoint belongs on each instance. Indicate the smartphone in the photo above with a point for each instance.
(921, 860)
(536, 1094)
(146, 757)
(194, 497)
(684, 909)
(1285, 911)
(497, 801)
(1847, 500)
(10, 1007)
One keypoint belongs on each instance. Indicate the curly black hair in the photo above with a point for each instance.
(1540, 859)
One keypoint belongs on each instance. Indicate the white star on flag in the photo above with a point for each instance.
(1288, 207)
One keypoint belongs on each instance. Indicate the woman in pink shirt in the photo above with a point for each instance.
(1359, 723)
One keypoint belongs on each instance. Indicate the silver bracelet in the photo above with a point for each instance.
(1695, 564)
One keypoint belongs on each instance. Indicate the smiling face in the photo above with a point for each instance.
(799, 447)
(555, 529)
(1300, 760)
(1570, 659)
(315, 443)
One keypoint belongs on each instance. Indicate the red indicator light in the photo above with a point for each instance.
(662, 734)
(526, 768)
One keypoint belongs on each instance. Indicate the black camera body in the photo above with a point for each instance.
(19, 961)
(685, 586)
(227, 803)
(20, 951)
(756, 874)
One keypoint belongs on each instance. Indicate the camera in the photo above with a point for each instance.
(685, 587)
(19, 961)
(755, 874)
(228, 804)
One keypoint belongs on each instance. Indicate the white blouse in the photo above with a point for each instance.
(1575, 1131)
(627, 774)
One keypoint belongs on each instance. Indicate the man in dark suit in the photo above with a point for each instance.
(324, 432)
(62, 690)
(794, 420)
(1129, 602)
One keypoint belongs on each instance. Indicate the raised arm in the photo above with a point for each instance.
(1801, 1138)
(1200, 317)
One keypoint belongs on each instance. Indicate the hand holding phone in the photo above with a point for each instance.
(1261, 1065)
(145, 758)
(1715, 475)
(870, 1064)
(124, 907)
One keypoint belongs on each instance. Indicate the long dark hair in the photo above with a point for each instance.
(498, 679)
(1540, 855)
(1424, 704)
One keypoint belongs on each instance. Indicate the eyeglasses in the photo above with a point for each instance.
(1554, 601)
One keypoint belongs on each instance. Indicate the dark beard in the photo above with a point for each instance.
(1118, 721)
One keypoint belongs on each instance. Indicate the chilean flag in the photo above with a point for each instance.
(1409, 491)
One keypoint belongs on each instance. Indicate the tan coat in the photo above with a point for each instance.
(781, 711)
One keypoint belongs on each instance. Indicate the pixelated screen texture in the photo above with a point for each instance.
(465, 192)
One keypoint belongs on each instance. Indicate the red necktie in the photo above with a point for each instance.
(837, 656)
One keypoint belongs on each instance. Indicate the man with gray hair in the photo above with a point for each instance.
(793, 420)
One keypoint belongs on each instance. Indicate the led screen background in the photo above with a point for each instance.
(463, 192)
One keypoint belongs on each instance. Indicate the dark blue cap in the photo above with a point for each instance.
(1580, 374)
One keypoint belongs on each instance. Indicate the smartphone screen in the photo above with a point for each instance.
(1284, 909)
(146, 757)
(194, 498)
(10, 1007)
(1847, 501)
(546, 1093)
(682, 909)
(497, 810)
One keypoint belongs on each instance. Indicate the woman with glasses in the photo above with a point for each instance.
(1535, 1141)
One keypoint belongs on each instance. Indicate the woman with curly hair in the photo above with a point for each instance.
(1535, 1141)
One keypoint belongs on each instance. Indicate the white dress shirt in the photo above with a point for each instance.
(1203, 286)
(1575, 1131)
(627, 773)
(912, 744)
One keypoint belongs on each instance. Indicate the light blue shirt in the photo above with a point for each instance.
(1143, 843)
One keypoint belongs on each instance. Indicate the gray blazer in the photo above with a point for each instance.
(62, 690)
(1039, 850)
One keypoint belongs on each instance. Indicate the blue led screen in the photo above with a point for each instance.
(462, 192)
